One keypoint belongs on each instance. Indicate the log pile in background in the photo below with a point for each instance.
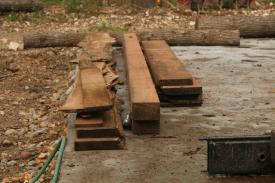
(249, 26)
(98, 124)
(15, 41)
(20, 5)
(175, 85)
(144, 101)
(177, 37)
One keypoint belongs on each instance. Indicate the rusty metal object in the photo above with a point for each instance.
(240, 155)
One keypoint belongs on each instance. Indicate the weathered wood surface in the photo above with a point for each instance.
(20, 5)
(143, 96)
(98, 45)
(249, 26)
(74, 102)
(166, 69)
(94, 91)
(90, 93)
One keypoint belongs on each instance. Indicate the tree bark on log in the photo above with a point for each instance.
(72, 39)
(52, 39)
(249, 26)
(190, 37)
(20, 5)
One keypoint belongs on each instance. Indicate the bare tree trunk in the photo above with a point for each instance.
(20, 5)
(249, 26)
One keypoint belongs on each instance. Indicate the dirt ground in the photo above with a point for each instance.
(238, 100)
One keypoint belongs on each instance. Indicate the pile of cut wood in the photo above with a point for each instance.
(175, 85)
(98, 125)
(156, 77)
(172, 84)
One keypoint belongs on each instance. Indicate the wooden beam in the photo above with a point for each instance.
(165, 67)
(144, 100)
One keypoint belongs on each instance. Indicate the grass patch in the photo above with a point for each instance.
(36, 18)
(86, 6)
(104, 26)
(51, 2)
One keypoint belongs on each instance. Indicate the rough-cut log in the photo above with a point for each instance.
(20, 5)
(52, 39)
(189, 37)
(143, 96)
(249, 26)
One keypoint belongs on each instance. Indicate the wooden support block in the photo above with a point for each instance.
(97, 132)
(195, 88)
(146, 127)
(110, 143)
(143, 96)
(108, 136)
(88, 122)
(165, 67)
(181, 101)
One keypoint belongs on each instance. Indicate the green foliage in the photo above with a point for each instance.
(92, 6)
(228, 4)
(52, 1)
(105, 26)
(12, 17)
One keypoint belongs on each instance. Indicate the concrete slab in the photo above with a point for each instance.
(239, 99)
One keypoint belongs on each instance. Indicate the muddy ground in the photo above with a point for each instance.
(238, 100)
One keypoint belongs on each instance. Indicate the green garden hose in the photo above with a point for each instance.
(47, 163)
(59, 160)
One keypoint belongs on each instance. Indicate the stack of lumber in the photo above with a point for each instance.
(175, 85)
(144, 101)
(98, 125)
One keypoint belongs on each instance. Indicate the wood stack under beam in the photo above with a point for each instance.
(98, 124)
(175, 85)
